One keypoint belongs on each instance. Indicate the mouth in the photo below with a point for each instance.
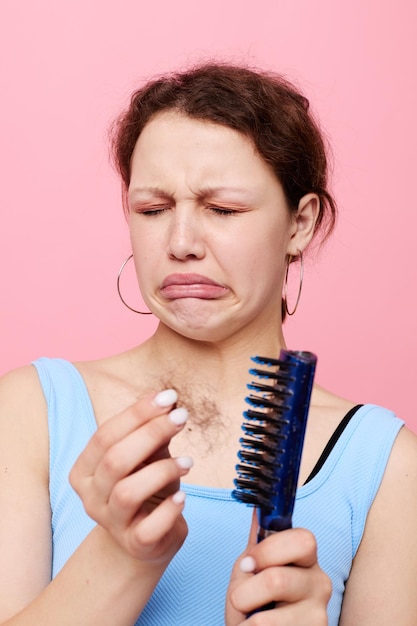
(191, 286)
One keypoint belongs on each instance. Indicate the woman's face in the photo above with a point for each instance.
(209, 226)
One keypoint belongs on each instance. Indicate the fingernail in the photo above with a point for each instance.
(165, 398)
(178, 497)
(247, 564)
(178, 416)
(185, 462)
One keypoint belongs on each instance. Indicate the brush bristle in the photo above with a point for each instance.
(274, 427)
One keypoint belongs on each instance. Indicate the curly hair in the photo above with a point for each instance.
(263, 106)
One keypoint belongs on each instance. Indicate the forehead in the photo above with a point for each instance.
(173, 141)
(166, 127)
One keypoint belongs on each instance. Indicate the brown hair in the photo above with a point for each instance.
(263, 106)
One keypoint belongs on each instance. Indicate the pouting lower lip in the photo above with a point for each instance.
(188, 279)
(194, 290)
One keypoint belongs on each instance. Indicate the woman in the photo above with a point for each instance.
(225, 183)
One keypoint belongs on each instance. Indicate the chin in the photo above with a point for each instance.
(205, 334)
(206, 331)
(189, 316)
(199, 321)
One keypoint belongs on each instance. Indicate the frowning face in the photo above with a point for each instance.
(210, 228)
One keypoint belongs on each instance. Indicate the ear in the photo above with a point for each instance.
(304, 222)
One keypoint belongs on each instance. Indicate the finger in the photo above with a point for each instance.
(121, 425)
(136, 449)
(311, 613)
(160, 523)
(284, 586)
(294, 546)
(148, 486)
(275, 584)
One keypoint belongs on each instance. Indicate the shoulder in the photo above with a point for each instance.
(23, 417)
(331, 413)
(326, 412)
(114, 383)
(401, 470)
(20, 388)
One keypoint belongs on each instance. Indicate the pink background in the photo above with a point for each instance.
(66, 70)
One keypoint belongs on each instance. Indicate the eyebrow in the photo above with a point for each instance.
(202, 193)
(219, 191)
(153, 191)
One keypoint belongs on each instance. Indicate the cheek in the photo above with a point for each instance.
(146, 243)
(257, 274)
(260, 257)
(145, 264)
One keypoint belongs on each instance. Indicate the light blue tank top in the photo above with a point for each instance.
(333, 505)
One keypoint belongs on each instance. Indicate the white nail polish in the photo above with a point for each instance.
(247, 564)
(178, 416)
(178, 497)
(185, 462)
(165, 398)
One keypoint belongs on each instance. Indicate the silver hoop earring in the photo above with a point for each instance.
(300, 285)
(120, 295)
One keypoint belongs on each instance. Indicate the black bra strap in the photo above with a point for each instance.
(332, 442)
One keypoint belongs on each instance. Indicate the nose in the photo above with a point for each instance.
(186, 237)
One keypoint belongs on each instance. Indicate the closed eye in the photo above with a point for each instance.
(148, 211)
(222, 210)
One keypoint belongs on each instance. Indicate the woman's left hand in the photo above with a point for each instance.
(281, 569)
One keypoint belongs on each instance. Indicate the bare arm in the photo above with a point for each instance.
(381, 588)
(110, 577)
(25, 535)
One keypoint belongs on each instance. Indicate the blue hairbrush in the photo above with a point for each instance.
(274, 427)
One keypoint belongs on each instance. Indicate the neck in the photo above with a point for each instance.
(211, 379)
(222, 361)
